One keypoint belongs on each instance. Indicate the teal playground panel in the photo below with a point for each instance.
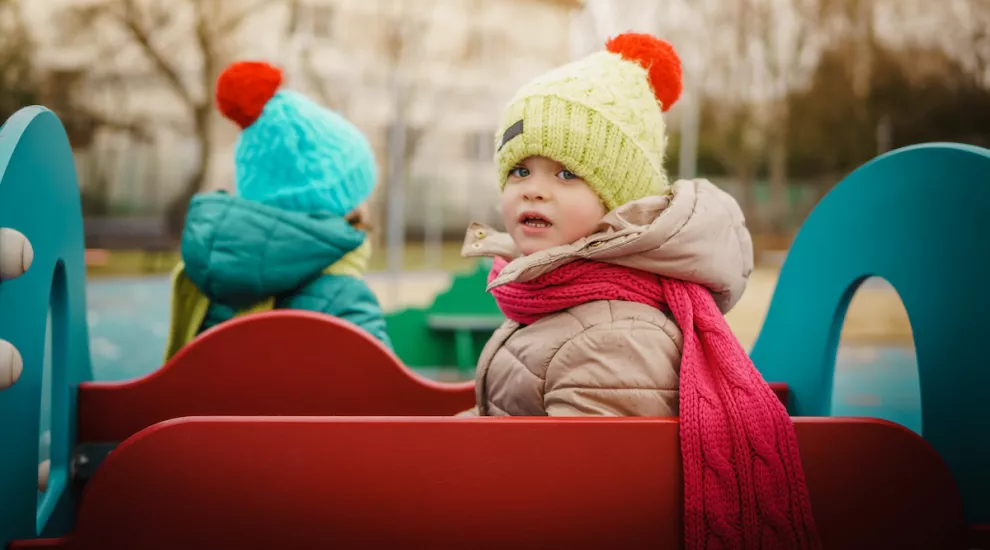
(39, 197)
(919, 218)
(916, 216)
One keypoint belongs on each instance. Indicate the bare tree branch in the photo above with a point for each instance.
(315, 81)
(19, 85)
(136, 127)
(127, 15)
(149, 27)
(224, 29)
(207, 48)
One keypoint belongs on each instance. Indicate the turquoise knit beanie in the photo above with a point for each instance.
(293, 153)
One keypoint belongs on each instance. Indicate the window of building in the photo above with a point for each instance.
(322, 18)
(310, 20)
(411, 140)
(480, 147)
(474, 47)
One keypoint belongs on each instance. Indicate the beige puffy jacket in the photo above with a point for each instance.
(612, 358)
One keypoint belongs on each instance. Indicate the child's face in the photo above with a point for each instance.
(545, 205)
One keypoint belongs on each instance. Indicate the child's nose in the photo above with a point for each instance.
(536, 190)
(533, 195)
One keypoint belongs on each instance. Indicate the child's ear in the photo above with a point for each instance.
(359, 218)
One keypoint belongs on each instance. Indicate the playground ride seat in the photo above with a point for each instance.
(216, 461)
(358, 483)
(283, 362)
(45, 246)
(322, 366)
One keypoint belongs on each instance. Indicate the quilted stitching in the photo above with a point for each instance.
(238, 251)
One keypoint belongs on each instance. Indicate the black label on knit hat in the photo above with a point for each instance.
(510, 133)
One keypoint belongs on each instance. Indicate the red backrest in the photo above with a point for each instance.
(283, 362)
(286, 363)
(359, 483)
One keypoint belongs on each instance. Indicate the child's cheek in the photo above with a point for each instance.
(508, 208)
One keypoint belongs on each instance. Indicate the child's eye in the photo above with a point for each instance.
(519, 172)
(567, 175)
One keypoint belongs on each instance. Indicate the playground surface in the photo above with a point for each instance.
(128, 322)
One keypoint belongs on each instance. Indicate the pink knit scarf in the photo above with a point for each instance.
(744, 486)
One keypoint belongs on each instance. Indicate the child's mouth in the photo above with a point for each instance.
(534, 220)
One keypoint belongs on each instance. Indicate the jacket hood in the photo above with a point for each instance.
(239, 252)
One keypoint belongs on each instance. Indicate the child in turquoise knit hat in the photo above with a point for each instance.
(291, 236)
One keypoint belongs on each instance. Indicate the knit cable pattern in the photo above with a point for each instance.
(744, 486)
(598, 116)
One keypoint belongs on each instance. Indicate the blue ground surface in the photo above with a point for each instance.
(128, 322)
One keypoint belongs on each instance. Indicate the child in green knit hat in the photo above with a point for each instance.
(291, 236)
(614, 282)
(579, 153)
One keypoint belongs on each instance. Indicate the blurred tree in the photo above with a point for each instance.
(812, 111)
(746, 58)
(915, 95)
(734, 134)
(19, 83)
(161, 31)
(308, 24)
(724, 69)
(790, 38)
(404, 34)
(930, 96)
(978, 16)
(756, 63)
(23, 83)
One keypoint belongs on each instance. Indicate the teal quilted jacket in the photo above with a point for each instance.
(240, 252)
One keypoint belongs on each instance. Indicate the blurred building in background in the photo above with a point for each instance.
(138, 76)
(782, 97)
(438, 69)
